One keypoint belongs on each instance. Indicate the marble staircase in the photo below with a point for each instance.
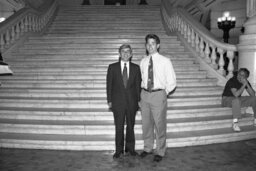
(56, 98)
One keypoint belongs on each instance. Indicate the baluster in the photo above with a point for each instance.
(185, 30)
(7, 38)
(192, 38)
(33, 24)
(2, 42)
(26, 24)
(221, 62)
(22, 26)
(213, 58)
(182, 28)
(230, 55)
(179, 25)
(201, 46)
(12, 38)
(17, 31)
(189, 34)
(171, 24)
(30, 23)
(176, 23)
(197, 43)
(207, 53)
(38, 24)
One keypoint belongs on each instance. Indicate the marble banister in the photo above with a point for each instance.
(208, 48)
(24, 21)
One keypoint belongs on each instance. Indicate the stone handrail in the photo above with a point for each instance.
(209, 50)
(24, 21)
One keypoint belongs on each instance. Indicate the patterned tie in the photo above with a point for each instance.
(125, 75)
(150, 75)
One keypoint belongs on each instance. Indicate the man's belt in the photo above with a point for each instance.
(155, 90)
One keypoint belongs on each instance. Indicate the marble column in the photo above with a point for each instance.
(247, 43)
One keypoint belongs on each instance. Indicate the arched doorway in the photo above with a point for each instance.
(113, 2)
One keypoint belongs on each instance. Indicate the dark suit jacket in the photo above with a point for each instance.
(120, 96)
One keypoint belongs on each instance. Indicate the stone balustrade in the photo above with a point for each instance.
(24, 21)
(211, 51)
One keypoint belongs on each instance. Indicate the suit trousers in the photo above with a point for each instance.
(237, 102)
(120, 117)
(153, 112)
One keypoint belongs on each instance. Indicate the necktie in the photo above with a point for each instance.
(125, 75)
(150, 75)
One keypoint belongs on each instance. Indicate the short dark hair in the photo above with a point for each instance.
(245, 70)
(123, 46)
(152, 36)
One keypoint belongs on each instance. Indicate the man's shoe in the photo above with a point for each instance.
(133, 153)
(236, 128)
(117, 155)
(144, 154)
(157, 158)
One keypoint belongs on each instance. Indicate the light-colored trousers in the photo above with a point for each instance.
(236, 103)
(153, 111)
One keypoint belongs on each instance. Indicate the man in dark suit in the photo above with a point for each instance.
(123, 96)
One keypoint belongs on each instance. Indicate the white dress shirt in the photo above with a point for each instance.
(164, 75)
(127, 65)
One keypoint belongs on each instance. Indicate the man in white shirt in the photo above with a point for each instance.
(158, 80)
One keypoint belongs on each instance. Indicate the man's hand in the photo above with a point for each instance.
(110, 105)
(139, 104)
(244, 81)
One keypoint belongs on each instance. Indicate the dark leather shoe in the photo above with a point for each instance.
(157, 158)
(144, 154)
(117, 155)
(133, 153)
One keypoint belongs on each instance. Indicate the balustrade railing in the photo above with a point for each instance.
(24, 21)
(211, 51)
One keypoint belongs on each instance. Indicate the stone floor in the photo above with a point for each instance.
(238, 156)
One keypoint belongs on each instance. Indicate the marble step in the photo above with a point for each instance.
(92, 83)
(104, 114)
(103, 46)
(108, 20)
(45, 69)
(92, 51)
(83, 73)
(107, 29)
(108, 128)
(94, 24)
(81, 76)
(99, 102)
(117, 38)
(89, 58)
(105, 41)
(82, 63)
(116, 31)
(102, 34)
(86, 93)
(103, 57)
(106, 142)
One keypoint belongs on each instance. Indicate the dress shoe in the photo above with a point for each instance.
(117, 155)
(157, 158)
(144, 154)
(133, 153)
